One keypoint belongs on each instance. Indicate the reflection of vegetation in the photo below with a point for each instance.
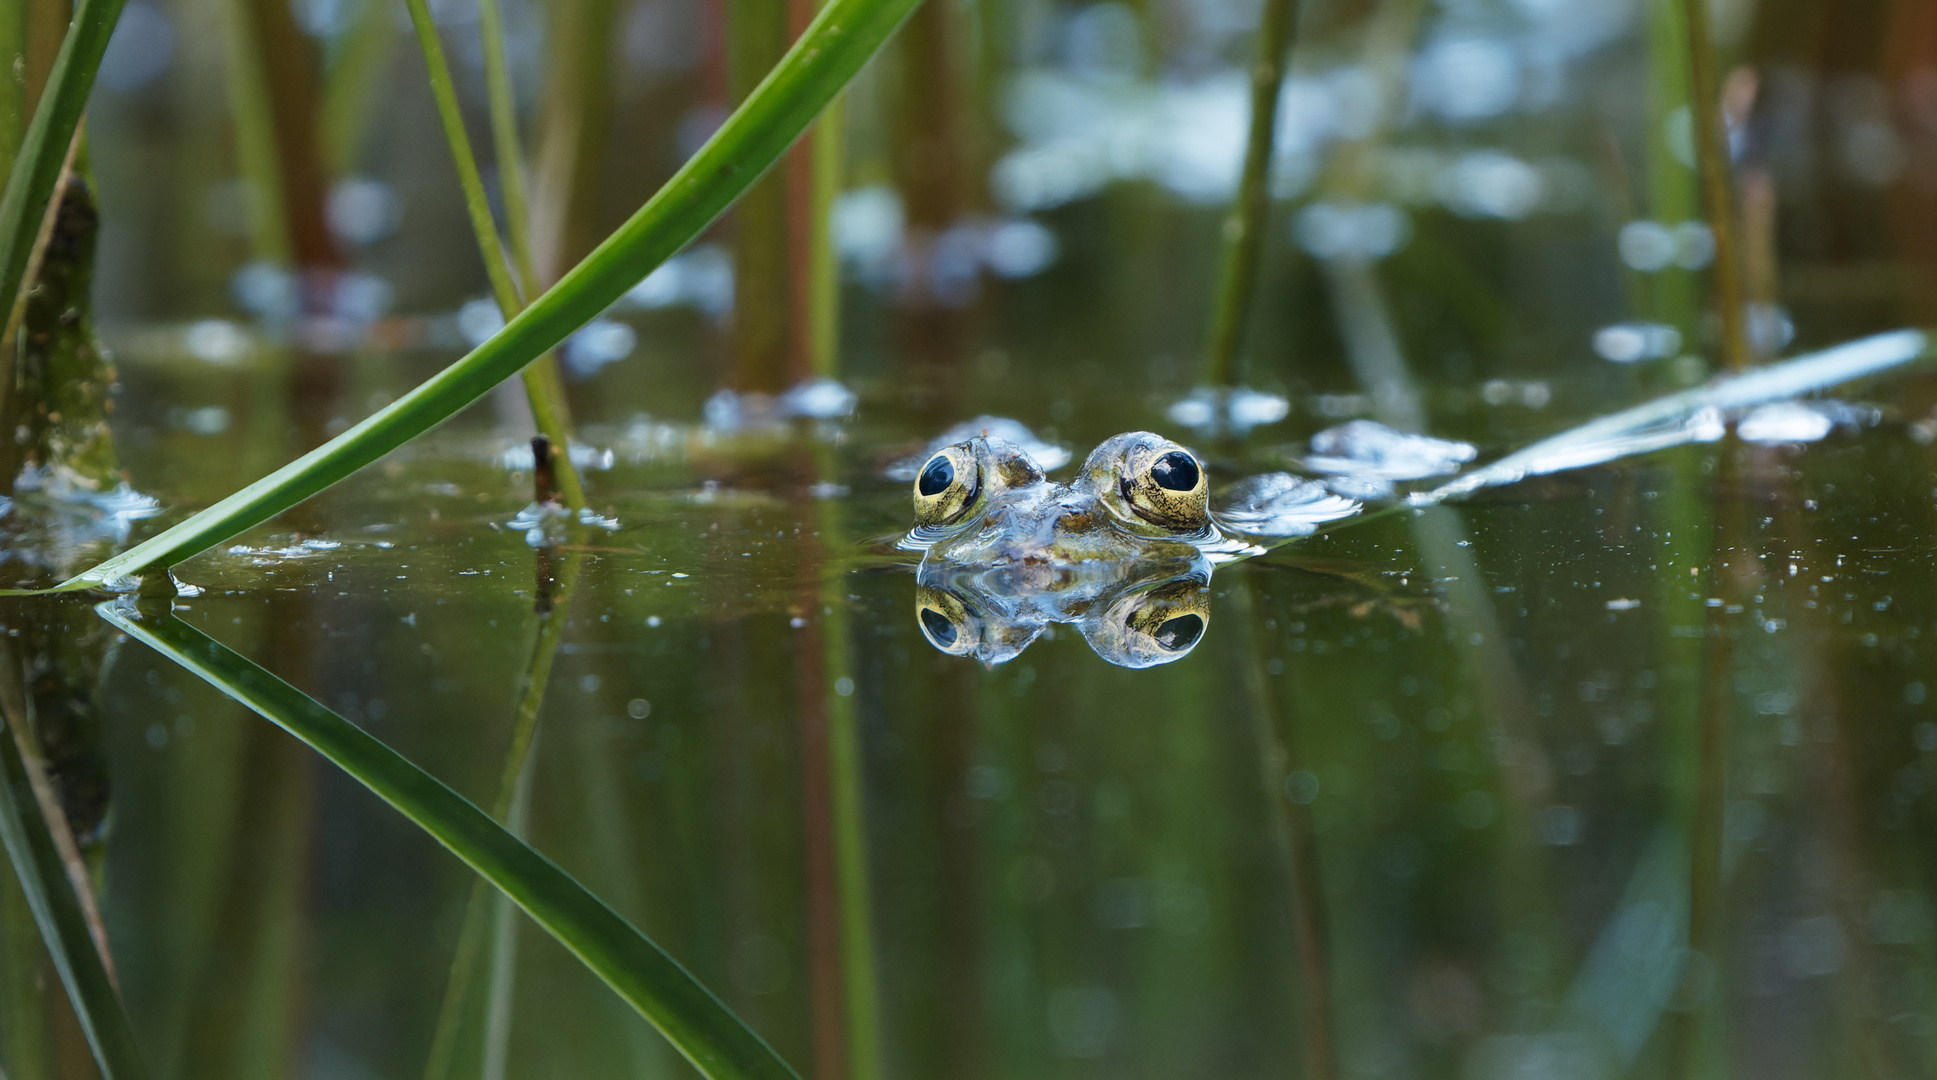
(47, 881)
(704, 1030)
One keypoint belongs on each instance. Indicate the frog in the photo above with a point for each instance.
(1124, 551)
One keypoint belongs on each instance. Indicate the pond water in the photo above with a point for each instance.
(1419, 803)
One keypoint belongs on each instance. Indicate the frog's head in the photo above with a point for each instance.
(1152, 486)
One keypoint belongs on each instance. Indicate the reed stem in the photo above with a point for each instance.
(829, 144)
(1718, 193)
(542, 384)
(1244, 226)
(505, 142)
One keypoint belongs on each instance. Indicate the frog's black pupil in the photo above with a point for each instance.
(939, 628)
(1175, 471)
(1175, 634)
(936, 477)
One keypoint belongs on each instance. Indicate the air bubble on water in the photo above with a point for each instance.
(478, 319)
(597, 344)
(216, 341)
(1631, 342)
(700, 277)
(1490, 184)
(1353, 232)
(1466, 77)
(1647, 246)
(362, 210)
(1694, 245)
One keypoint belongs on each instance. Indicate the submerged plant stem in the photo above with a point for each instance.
(542, 384)
(1244, 226)
(1718, 192)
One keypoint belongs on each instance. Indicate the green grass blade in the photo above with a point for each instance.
(841, 38)
(1244, 226)
(542, 386)
(504, 140)
(63, 924)
(30, 183)
(716, 1041)
(452, 119)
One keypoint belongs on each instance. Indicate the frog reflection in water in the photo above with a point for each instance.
(1124, 551)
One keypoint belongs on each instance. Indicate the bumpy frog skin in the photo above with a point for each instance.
(1124, 551)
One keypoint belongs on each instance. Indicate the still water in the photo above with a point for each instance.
(1420, 802)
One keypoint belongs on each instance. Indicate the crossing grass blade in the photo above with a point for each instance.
(717, 1042)
(835, 45)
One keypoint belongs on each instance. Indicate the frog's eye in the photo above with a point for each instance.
(1171, 621)
(1165, 485)
(947, 486)
(947, 623)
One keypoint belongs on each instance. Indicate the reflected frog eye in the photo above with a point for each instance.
(1164, 484)
(1153, 627)
(947, 623)
(938, 628)
(947, 486)
(1171, 620)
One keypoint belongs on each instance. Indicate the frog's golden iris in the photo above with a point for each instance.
(1163, 484)
(948, 485)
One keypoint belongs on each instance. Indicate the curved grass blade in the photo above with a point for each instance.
(703, 1029)
(840, 39)
(43, 151)
(63, 924)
